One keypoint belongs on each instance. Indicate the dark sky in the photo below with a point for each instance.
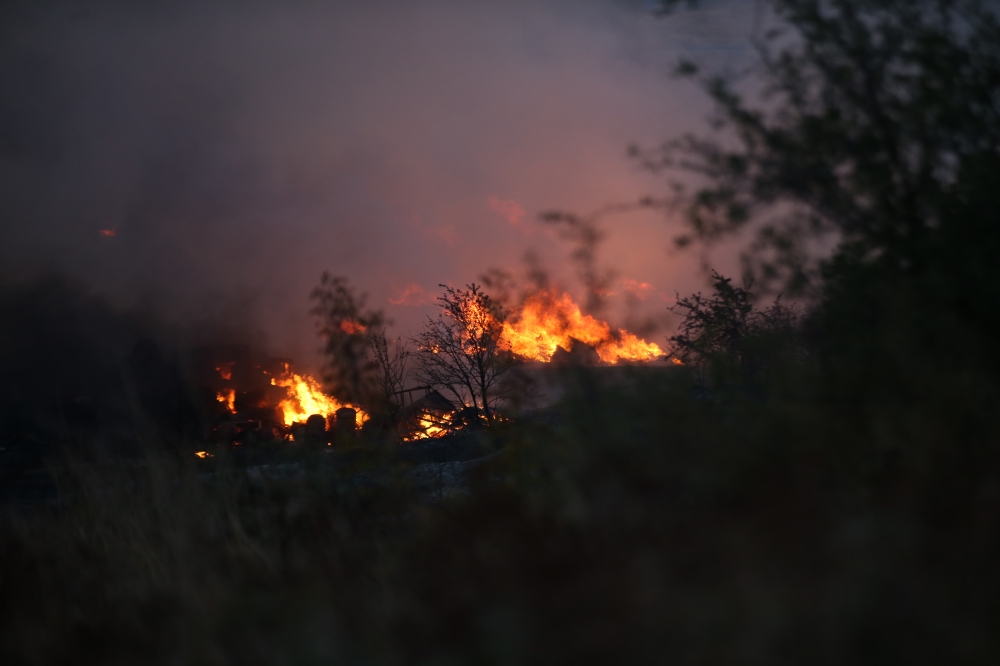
(238, 150)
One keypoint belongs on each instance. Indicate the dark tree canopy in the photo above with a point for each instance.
(878, 117)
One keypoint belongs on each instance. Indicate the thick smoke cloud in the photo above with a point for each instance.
(210, 160)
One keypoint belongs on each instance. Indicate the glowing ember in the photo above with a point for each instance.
(203, 454)
(548, 319)
(430, 427)
(306, 397)
(107, 233)
(229, 399)
(225, 370)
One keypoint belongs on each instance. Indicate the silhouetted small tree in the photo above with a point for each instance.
(361, 364)
(388, 369)
(726, 329)
(462, 351)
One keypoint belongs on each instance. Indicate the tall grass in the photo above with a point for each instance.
(641, 522)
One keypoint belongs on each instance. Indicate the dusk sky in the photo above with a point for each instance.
(209, 160)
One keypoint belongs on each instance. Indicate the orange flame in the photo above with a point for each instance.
(351, 327)
(306, 397)
(225, 370)
(430, 427)
(228, 398)
(548, 319)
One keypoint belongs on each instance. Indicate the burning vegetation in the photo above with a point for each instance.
(460, 363)
(817, 486)
(549, 320)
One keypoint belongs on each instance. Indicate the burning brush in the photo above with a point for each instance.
(550, 319)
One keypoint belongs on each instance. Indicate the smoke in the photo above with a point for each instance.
(211, 160)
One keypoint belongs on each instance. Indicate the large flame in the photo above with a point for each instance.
(306, 397)
(548, 319)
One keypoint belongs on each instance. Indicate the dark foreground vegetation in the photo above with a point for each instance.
(818, 485)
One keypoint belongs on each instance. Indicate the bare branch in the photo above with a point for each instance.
(462, 351)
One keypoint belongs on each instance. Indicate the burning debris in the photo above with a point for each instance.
(266, 400)
(306, 398)
(427, 417)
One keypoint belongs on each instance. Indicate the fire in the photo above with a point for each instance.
(351, 327)
(306, 397)
(548, 319)
(478, 321)
(431, 427)
(225, 370)
(203, 454)
(228, 398)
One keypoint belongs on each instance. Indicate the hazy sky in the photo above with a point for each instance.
(237, 151)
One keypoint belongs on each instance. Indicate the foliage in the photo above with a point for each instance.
(726, 329)
(878, 116)
(638, 524)
(462, 350)
(849, 513)
(158, 562)
(363, 366)
(713, 325)
(347, 329)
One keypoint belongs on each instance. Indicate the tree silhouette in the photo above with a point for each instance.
(725, 329)
(462, 351)
(346, 328)
(879, 116)
(388, 369)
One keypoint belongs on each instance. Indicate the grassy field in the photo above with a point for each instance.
(638, 522)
